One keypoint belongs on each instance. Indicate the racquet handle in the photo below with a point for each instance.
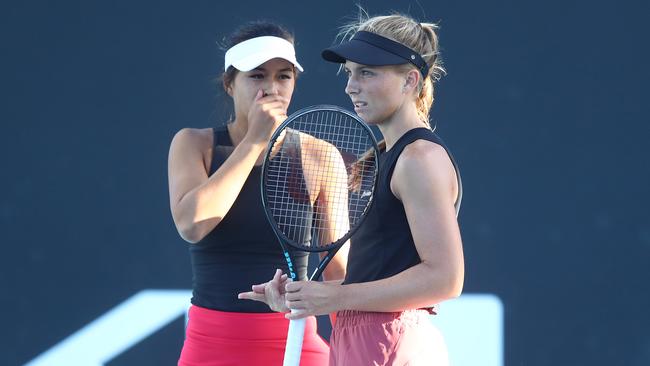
(294, 342)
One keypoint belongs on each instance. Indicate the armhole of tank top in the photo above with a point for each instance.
(438, 141)
(215, 142)
(220, 140)
(223, 136)
(459, 180)
(391, 169)
(459, 196)
(293, 141)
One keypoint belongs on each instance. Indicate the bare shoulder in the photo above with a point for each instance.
(429, 162)
(200, 138)
(310, 140)
(190, 145)
(317, 148)
(424, 152)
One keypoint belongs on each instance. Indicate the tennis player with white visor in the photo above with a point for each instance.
(214, 190)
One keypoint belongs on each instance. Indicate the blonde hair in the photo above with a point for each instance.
(420, 37)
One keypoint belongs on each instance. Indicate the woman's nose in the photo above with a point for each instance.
(271, 89)
(351, 87)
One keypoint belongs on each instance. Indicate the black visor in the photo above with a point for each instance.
(374, 50)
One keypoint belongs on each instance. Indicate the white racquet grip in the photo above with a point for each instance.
(294, 342)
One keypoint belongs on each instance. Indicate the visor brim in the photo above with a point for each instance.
(255, 60)
(362, 53)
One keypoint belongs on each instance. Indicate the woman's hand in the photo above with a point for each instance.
(306, 298)
(271, 293)
(265, 115)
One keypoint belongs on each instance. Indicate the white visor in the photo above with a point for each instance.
(247, 55)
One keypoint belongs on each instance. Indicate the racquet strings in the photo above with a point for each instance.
(320, 148)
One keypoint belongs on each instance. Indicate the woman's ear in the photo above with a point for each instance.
(228, 88)
(412, 80)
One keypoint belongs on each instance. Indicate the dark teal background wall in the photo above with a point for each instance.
(545, 106)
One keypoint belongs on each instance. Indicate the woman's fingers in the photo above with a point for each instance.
(271, 98)
(294, 286)
(259, 289)
(277, 276)
(259, 95)
(295, 304)
(271, 293)
(251, 296)
(294, 300)
(292, 296)
(279, 281)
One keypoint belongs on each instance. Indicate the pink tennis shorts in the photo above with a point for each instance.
(397, 339)
(219, 338)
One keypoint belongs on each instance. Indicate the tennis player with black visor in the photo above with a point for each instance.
(407, 255)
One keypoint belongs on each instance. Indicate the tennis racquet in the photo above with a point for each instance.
(318, 179)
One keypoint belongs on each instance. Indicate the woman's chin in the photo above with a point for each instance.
(364, 116)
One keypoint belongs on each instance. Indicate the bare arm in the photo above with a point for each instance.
(198, 202)
(424, 180)
(333, 208)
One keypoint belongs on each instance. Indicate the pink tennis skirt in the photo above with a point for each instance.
(224, 338)
(398, 339)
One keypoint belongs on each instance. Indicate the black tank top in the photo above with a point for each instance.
(383, 245)
(241, 251)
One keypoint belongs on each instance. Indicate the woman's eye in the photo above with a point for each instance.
(257, 76)
(286, 76)
(366, 73)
